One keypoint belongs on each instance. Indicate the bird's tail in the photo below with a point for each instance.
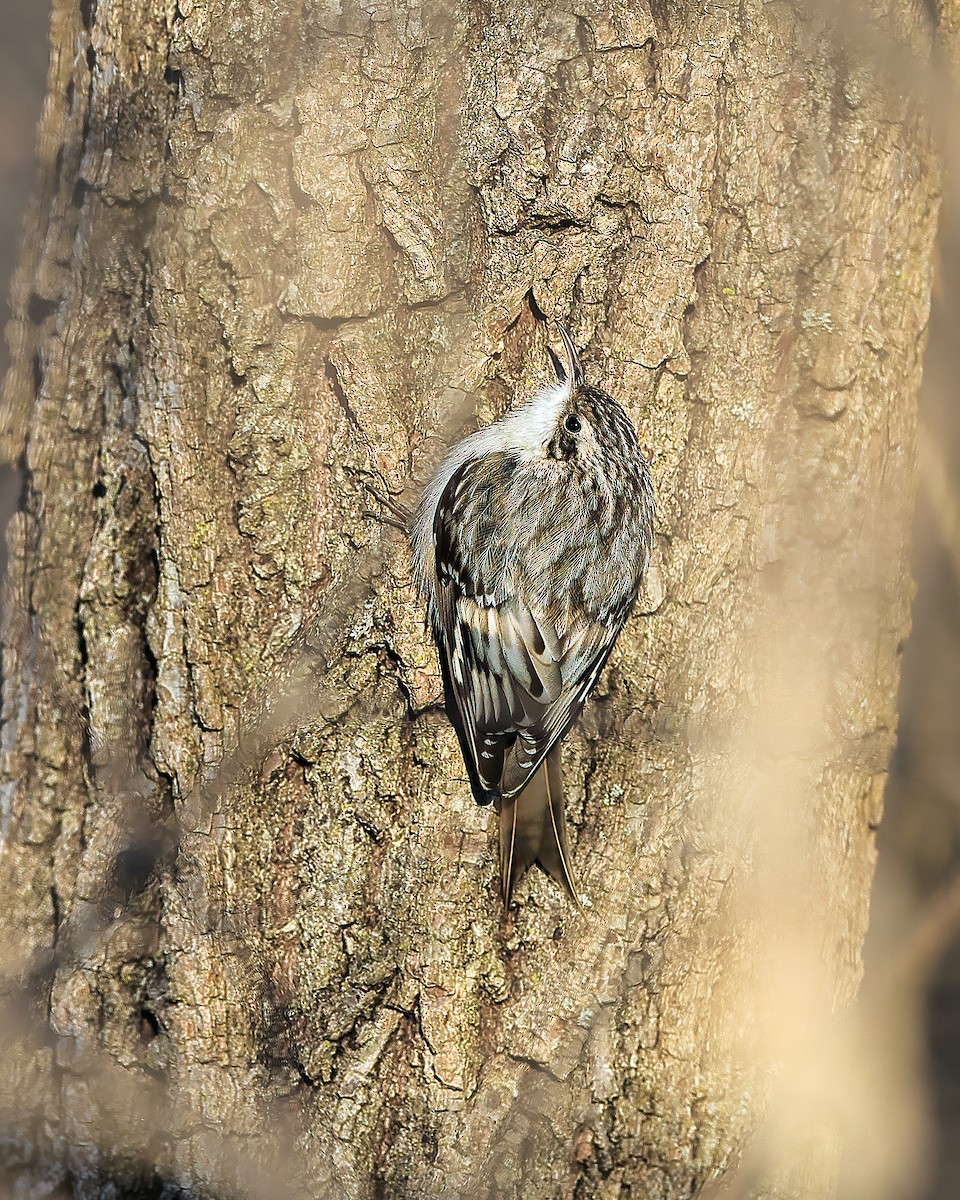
(533, 830)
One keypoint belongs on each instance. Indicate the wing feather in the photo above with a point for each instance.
(519, 676)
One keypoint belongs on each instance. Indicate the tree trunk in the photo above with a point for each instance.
(280, 252)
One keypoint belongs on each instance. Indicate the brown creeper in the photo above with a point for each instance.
(529, 547)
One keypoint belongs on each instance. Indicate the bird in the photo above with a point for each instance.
(529, 547)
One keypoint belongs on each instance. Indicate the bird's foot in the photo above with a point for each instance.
(397, 514)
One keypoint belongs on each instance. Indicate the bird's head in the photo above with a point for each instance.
(581, 424)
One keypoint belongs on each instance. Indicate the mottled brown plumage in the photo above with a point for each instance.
(530, 544)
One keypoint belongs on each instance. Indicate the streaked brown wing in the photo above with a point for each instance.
(517, 682)
(580, 667)
(517, 686)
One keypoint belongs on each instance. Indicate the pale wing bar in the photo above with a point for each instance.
(518, 685)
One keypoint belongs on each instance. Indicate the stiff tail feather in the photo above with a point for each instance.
(533, 830)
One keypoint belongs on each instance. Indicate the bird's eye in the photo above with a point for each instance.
(572, 424)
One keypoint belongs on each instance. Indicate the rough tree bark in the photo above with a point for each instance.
(277, 251)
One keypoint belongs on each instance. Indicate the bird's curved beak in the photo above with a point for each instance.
(573, 375)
